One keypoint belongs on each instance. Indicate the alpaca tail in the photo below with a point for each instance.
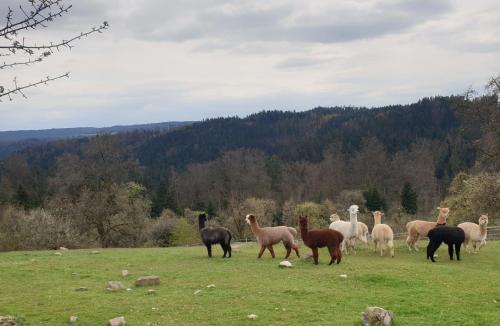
(293, 231)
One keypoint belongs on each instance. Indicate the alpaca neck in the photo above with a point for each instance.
(255, 227)
(441, 219)
(482, 230)
(354, 222)
(201, 223)
(304, 233)
(377, 220)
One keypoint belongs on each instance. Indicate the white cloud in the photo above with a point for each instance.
(189, 60)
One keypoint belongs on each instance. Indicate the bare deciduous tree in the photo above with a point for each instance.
(16, 51)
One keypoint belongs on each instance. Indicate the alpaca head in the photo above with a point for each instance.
(378, 214)
(483, 220)
(334, 217)
(250, 218)
(303, 221)
(443, 212)
(202, 217)
(354, 209)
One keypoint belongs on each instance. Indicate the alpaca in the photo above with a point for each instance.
(451, 235)
(475, 234)
(362, 232)
(418, 228)
(315, 239)
(348, 229)
(382, 234)
(268, 236)
(214, 234)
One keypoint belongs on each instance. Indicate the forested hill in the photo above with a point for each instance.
(298, 136)
(325, 153)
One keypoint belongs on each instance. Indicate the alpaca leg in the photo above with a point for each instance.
(431, 249)
(209, 249)
(450, 250)
(375, 244)
(296, 249)
(382, 248)
(262, 248)
(223, 246)
(315, 255)
(229, 249)
(391, 247)
(332, 255)
(271, 250)
(338, 254)
(409, 243)
(457, 250)
(288, 247)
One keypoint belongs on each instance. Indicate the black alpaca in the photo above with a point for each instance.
(214, 235)
(451, 235)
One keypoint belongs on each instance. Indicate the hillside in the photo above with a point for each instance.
(12, 141)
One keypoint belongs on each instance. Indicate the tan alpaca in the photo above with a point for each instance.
(382, 235)
(418, 228)
(362, 234)
(475, 234)
(268, 236)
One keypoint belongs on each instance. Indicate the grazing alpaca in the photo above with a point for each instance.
(418, 228)
(315, 239)
(269, 236)
(214, 235)
(362, 231)
(348, 229)
(382, 234)
(475, 234)
(451, 235)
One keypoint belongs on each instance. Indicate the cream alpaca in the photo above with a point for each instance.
(382, 234)
(348, 229)
(418, 228)
(268, 236)
(475, 234)
(362, 231)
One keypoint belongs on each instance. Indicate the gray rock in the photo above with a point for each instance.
(377, 316)
(73, 319)
(117, 321)
(115, 285)
(147, 280)
(7, 321)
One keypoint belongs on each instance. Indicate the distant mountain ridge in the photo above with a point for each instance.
(16, 140)
(59, 133)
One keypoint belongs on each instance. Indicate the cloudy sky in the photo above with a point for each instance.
(189, 59)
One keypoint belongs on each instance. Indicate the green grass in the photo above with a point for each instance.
(39, 287)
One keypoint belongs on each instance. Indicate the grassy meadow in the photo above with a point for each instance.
(39, 287)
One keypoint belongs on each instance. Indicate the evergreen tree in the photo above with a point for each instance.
(409, 199)
(373, 200)
(21, 197)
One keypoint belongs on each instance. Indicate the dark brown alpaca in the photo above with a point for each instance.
(315, 239)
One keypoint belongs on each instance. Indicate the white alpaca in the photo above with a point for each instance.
(362, 231)
(348, 229)
(475, 234)
(382, 234)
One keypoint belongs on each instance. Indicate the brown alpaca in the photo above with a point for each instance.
(315, 239)
(269, 236)
(418, 228)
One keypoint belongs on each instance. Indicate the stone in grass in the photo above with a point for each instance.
(252, 316)
(95, 252)
(8, 321)
(115, 285)
(151, 291)
(63, 248)
(81, 289)
(57, 253)
(308, 255)
(211, 286)
(73, 319)
(124, 272)
(285, 263)
(118, 321)
(377, 316)
(147, 280)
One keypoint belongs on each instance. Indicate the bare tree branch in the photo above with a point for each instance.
(38, 14)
